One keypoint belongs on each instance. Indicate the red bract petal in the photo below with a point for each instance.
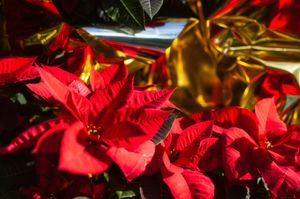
(15, 69)
(58, 89)
(53, 136)
(171, 140)
(286, 151)
(44, 138)
(171, 168)
(132, 163)
(177, 184)
(29, 137)
(126, 135)
(200, 185)
(119, 92)
(180, 124)
(269, 124)
(141, 124)
(169, 104)
(78, 105)
(188, 144)
(149, 99)
(156, 163)
(231, 117)
(292, 162)
(49, 6)
(41, 90)
(65, 77)
(78, 156)
(210, 154)
(109, 75)
(282, 181)
(192, 135)
(237, 149)
(61, 40)
(79, 87)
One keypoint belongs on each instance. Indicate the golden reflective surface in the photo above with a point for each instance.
(222, 60)
(218, 60)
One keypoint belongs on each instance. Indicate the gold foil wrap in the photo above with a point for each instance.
(220, 61)
(223, 67)
(214, 62)
(43, 37)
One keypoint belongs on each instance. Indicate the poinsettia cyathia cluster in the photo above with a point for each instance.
(110, 123)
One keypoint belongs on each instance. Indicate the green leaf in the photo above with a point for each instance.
(19, 97)
(81, 197)
(129, 13)
(151, 7)
(125, 194)
(106, 176)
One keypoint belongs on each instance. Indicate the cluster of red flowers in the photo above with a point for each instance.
(112, 122)
(109, 130)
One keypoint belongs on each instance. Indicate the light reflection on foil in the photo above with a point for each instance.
(159, 35)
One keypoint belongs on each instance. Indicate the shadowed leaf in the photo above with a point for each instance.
(129, 13)
(151, 7)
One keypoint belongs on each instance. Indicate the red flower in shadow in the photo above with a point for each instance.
(101, 124)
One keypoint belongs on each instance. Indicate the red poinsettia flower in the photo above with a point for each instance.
(269, 149)
(102, 124)
(177, 158)
(234, 168)
(281, 148)
(186, 183)
(190, 146)
(258, 145)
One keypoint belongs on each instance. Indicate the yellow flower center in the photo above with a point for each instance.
(93, 132)
(268, 144)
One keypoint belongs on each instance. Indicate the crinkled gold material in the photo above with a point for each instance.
(206, 75)
(43, 37)
(98, 46)
(214, 62)
(134, 63)
(221, 61)
(193, 69)
(290, 107)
